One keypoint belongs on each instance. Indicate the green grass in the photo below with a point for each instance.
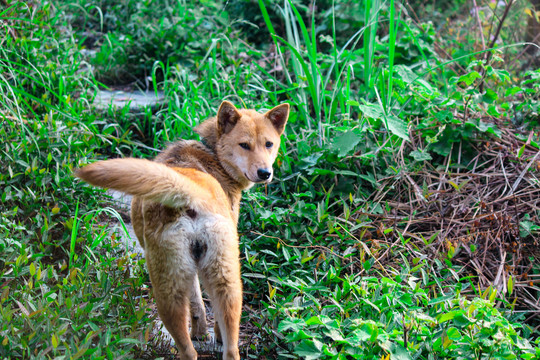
(333, 266)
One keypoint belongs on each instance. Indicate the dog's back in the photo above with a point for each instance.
(196, 155)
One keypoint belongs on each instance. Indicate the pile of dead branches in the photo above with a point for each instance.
(472, 214)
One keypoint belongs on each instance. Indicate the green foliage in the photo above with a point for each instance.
(68, 287)
(140, 34)
(398, 317)
(374, 102)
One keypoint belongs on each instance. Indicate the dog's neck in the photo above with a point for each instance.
(235, 183)
(228, 178)
(210, 145)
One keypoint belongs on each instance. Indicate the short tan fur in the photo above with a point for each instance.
(185, 212)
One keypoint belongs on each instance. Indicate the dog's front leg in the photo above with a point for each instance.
(198, 312)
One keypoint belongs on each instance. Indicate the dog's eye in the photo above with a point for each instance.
(244, 146)
(269, 144)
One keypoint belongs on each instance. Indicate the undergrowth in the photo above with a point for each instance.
(403, 223)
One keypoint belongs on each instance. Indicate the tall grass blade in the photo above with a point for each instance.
(371, 18)
(391, 52)
(74, 232)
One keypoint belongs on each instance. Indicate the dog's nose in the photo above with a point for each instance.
(263, 174)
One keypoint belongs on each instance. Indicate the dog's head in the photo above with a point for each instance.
(246, 142)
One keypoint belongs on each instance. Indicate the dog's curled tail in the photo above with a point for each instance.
(173, 187)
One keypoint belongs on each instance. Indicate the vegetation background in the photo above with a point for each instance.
(404, 219)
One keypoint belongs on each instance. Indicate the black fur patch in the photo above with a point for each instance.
(191, 213)
(198, 249)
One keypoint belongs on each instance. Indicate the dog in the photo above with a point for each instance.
(185, 212)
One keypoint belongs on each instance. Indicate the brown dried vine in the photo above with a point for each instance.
(473, 211)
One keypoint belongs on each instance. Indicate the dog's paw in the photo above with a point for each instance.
(198, 329)
(232, 354)
(187, 354)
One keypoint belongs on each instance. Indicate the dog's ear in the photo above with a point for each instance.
(278, 117)
(227, 117)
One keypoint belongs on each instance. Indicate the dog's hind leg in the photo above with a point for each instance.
(221, 280)
(174, 315)
(198, 312)
(172, 289)
(227, 304)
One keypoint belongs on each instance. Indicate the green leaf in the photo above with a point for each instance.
(309, 349)
(486, 127)
(291, 324)
(513, 90)
(369, 178)
(510, 285)
(461, 320)
(300, 335)
(345, 143)
(470, 77)
(346, 173)
(446, 316)
(446, 341)
(521, 150)
(129, 341)
(359, 336)
(397, 352)
(32, 269)
(370, 110)
(306, 256)
(405, 73)
(421, 155)
(397, 127)
(453, 333)
(334, 334)
(314, 320)
(527, 228)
